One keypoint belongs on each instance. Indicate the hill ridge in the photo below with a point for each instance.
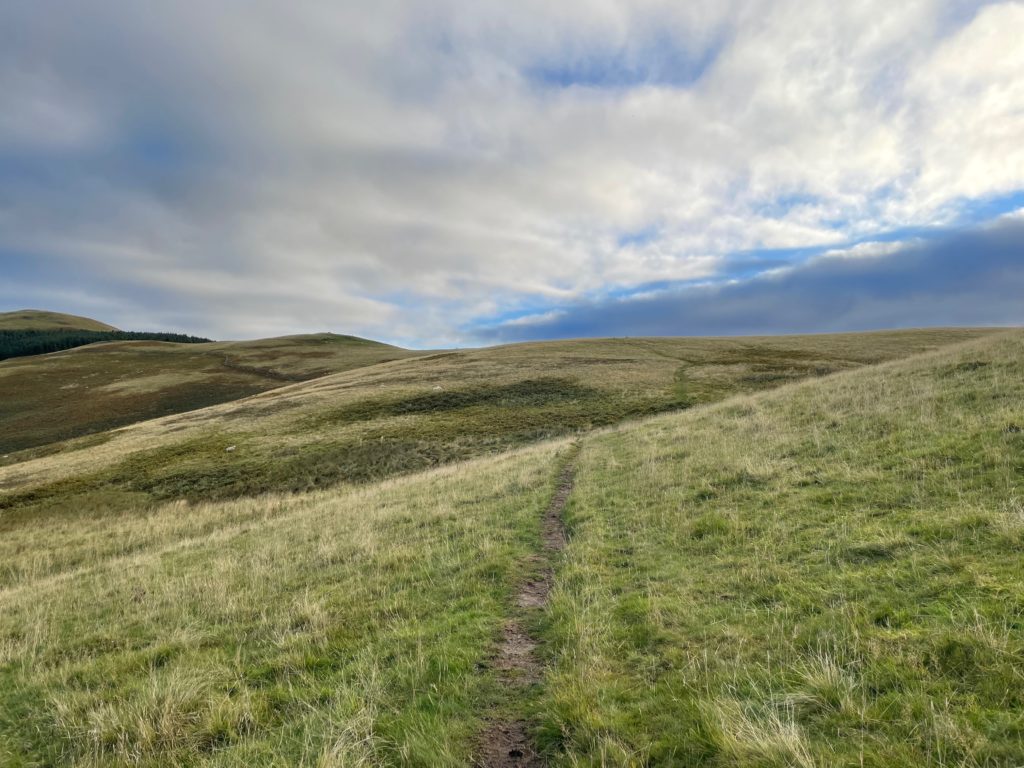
(42, 319)
(404, 415)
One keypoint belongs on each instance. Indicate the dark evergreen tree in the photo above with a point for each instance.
(19, 343)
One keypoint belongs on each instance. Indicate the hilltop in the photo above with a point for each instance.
(40, 320)
(822, 573)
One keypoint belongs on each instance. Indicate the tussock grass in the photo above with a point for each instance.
(55, 398)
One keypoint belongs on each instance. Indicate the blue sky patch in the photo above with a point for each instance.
(658, 60)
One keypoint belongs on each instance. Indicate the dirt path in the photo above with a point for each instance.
(506, 742)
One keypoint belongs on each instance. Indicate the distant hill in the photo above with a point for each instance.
(29, 332)
(367, 423)
(76, 392)
(41, 320)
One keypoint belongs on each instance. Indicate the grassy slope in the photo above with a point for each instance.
(818, 575)
(825, 575)
(39, 320)
(342, 629)
(69, 394)
(407, 415)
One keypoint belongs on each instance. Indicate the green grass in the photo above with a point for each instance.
(826, 575)
(375, 421)
(58, 397)
(302, 631)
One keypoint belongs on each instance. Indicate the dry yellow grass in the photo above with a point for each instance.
(40, 320)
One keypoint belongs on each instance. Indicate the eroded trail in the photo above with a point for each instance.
(506, 742)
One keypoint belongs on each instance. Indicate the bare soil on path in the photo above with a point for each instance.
(506, 743)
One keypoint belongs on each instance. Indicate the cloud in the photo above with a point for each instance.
(962, 278)
(245, 167)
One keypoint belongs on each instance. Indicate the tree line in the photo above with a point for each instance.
(19, 343)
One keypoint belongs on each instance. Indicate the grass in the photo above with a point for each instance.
(53, 398)
(39, 320)
(823, 574)
(288, 631)
(378, 420)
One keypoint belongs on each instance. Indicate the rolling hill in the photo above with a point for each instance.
(40, 320)
(89, 389)
(364, 424)
(826, 573)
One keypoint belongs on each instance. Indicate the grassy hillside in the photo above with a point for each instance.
(64, 395)
(824, 574)
(372, 422)
(318, 630)
(38, 320)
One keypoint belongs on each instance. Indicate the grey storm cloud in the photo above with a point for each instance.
(963, 278)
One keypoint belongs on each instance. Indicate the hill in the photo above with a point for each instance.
(822, 574)
(39, 320)
(376, 421)
(89, 389)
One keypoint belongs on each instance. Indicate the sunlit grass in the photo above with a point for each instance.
(46, 399)
(340, 629)
(824, 575)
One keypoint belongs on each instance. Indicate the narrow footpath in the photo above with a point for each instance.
(506, 742)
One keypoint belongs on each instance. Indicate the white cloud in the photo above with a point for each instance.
(537, 319)
(401, 170)
(869, 250)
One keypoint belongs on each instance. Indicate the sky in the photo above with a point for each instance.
(456, 173)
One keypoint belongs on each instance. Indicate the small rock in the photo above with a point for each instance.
(1014, 429)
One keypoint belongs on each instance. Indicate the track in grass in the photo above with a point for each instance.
(506, 743)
